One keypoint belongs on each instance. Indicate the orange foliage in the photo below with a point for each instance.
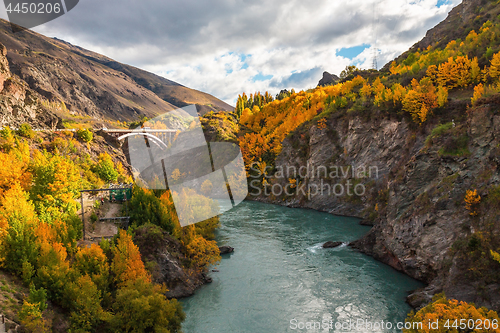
(322, 124)
(457, 72)
(452, 315)
(478, 92)
(472, 200)
(127, 264)
(201, 251)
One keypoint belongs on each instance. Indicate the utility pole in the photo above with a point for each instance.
(83, 215)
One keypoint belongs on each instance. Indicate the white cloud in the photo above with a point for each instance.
(200, 44)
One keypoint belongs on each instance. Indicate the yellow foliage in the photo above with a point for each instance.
(206, 187)
(478, 92)
(472, 199)
(201, 251)
(495, 256)
(442, 96)
(450, 315)
(15, 207)
(366, 90)
(455, 72)
(495, 66)
(127, 264)
(420, 100)
(14, 168)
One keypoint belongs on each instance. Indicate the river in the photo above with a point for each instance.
(280, 278)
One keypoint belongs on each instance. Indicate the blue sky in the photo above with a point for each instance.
(226, 47)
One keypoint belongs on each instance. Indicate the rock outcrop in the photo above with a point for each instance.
(328, 79)
(162, 254)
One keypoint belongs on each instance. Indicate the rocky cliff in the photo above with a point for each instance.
(414, 181)
(162, 255)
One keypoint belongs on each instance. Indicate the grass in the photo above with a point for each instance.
(437, 132)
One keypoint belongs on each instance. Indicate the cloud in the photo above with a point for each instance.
(226, 47)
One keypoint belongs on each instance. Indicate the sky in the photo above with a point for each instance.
(226, 47)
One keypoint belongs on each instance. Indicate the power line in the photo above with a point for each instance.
(375, 23)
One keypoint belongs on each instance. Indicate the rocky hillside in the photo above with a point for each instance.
(428, 182)
(18, 103)
(92, 85)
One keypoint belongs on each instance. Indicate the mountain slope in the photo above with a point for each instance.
(93, 85)
(468, 15)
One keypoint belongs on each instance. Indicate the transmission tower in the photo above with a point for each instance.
(374, 60)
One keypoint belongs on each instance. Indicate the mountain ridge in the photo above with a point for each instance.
(94, 86)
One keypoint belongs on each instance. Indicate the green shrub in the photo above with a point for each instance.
(85, 135)
(145, 207)
(437, 132)
(26, 131)
(105, 168)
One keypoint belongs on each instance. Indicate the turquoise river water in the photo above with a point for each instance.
(279, 277)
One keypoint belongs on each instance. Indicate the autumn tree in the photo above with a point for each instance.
(145, 207)
(53, 268)
(472, 200)
(348, 71)
(56, 183)
(93, 262)
(127, 264)
(83, 298)
(141, 306)
(458, 72)
(26, 131)
(14, 168)
(420, 100)
(7, 140)
(105, 168)
(494, 70)
(85, 135)
(478, 93)
(201, 251)
(206, 187)
(449, 313)
(31, 314)
(18, 222)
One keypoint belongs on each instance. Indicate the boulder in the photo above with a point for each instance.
(225, 249)
(330, 244)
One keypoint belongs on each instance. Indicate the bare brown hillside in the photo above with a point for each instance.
(93, 85)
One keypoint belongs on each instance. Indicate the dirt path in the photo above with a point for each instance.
(94, 231)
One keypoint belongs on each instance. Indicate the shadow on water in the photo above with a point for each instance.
(279, 272)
